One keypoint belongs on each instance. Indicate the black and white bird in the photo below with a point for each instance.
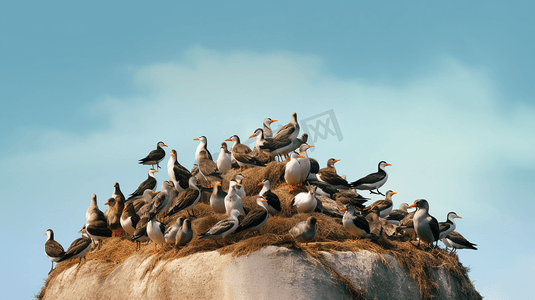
(256, 218)
(78, 248)
(96, 224)
(448, 226)
(156, 231)
(224, 160)
(178, 174)
(266, 127)
(304, 161)
(456, 241)
(217, 198)
(187, 199)
(373, 181)
(355, 224)
(273, 201)
(396, 215)
(203, 144)
(242, 154)
(184, 234)
(129, 219)
(155, 156)
(171, 231)
(305, 231)
(425, 225)
(233, 200)
(238, 178)
(53, 249)
(223, 228)
(140, 234)
(384, 206)
(330, 176)
(290, 130)
(148, 184)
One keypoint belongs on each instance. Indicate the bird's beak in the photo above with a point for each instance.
(261, 183)
(237, 184)
(124, 209)
(164, 145)
(343, 209)
(319, 221)
(388, 164)
(229, 140)
(311, 146)
(218, 183)
(301, 156)
(44, 233)
(393, 193)
(273, 121)
(412, 205)
(336, 160)
(252, 135)
(172, 154)
(265, 200)
(107, 203)
(459, 217)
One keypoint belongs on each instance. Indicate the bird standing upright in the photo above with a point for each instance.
(155, 156)
(53, 249)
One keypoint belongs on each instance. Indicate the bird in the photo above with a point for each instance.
(273, 201)
(208, 168)
(396, 215)
(233, 200)
(96, 224)
(148, 184)
(184, 234)
(238, 178)
(113, 215)
(260, 154)
(202, 145)
(425, 225)
(330, 176)
(187, 199)
(162, 201)
(129, 218)
(53, 249)
(385, 205)
(280, 146)
(305, 231)
(217, 198)
(224, 160)
(356, 225)
(78, 248)
(140, 234)
(304, 161)
(406, 225)
(170, 232)
(373, 181)
(256, 218)
(348, 196)
(242, 153)
(93, 213)
(155, 231)
(222, 228)
(117, 192)
(290, 130)
(266, 127)
(305, 202)
(456, 241)
(155, 156)
(177, 173)
(448, 226)
(292, 172)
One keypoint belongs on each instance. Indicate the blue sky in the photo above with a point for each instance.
(443, 91)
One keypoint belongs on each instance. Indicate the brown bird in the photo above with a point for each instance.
(113, 215)
(53, 249)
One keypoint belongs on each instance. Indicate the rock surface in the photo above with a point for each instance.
(270, 273)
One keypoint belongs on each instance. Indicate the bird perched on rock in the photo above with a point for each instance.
(304, 161)
(425, 225)
(356, 225)
(330, 176)
(233, 200)
(208, 168)
(156, 231)
(222, 228)
(305, 202)
(273, 201)
(170, 232)
(456, 241)
(373, 181)
(238, 178)
(187, 199)
(155, 156)
(290, 130)
(449, 226)
(266, 127)
(217, 198)
(305, 231)
(140, 234)
(384, 206)
(96, 224)
(292, 172)
(117, 192)
(78, 248)
(203, 144)
(184, 234)
(256, 218)
(178, 174)
(148, 184)
(53, 249)
(113, 215)
(224, 160)
(396, 215)
(243, 154)
(129, 219)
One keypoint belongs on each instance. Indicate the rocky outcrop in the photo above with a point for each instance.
(269, 273)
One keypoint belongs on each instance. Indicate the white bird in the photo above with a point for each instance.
(448, 226)
(238, 178)
(304, 161)
(292, 172)
(356, 225)
(233, 200)
(202, 145)
(384, 206)
(171, 231)
(266, 127)
(273, 201)
(425, 225)
(222, 228)
(224, 160)
(305, 202)
(305, 231)
(456, 241)
(155, 231)
(129, 218)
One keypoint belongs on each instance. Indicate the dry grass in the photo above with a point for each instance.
(330, 237)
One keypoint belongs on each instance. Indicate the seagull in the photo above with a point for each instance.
(222, 228)
(256, 218)
(384, 206)
(292, 172)
(148, 184)
(129, 219)
(155, 231)
(268, 133)
(184, 234)
(356, 225)
(448, 226)
(162, 201)
(170, 232)
(290, 130)
(155, 156)
(78, 248)
(396, 215)
(117, 192)
(242, 153)
(177, 173)
(217, 199)
(329, 175)
(224, 160)
(238, 178)
(305, 231)
(304, 161)
(425, 225)
(208, 168)
(113, 215)
(456, 241)
(373, 181)
(233, 200)
(273, 201)
(53, 249)
(202, 145)
(187, 199)
(305, 202)
(140, 234)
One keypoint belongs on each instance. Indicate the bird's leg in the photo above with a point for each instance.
(155, 251)
(379, 193)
